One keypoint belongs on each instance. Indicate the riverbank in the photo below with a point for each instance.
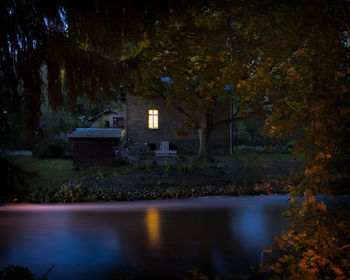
(58, 181)
(117, 189)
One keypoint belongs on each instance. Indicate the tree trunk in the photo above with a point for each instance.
(204, 133)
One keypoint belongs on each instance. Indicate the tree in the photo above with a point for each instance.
(309, 91)
(80, 48)
(195, 62)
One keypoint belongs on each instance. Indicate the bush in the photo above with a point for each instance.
(16, 272)
(14, 179)
(53, 148)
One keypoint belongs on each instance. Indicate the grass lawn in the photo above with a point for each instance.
(56, 172)
(245, 156)
(52, 172)
(271, 164)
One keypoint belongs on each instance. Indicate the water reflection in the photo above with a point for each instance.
(147, 240)
(153, 225)
(255, 226)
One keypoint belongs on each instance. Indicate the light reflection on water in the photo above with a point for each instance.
(153, 225)
(153, 239)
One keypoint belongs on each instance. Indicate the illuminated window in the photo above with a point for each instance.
(153, 119)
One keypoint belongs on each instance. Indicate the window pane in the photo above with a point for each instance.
(153, 119)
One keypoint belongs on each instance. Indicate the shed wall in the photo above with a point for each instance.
(93, 152)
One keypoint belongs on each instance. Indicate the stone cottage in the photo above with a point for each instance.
(148, 125)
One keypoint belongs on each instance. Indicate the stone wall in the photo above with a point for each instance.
(141, 139)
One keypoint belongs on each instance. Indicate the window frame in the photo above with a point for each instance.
(153, 119)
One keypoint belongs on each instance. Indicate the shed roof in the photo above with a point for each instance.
(104, 112)
(96, 133)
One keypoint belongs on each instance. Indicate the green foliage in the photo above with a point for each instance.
(53, 148)
(102, 123)
(54, 123)
(122, 135)
(14, 179)
(70, 194)
(193, 166)
(181, 133)
(52, 172)
(108, 172)
(144, 166)
(252, 127)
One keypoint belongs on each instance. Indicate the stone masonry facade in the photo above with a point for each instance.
(140, 139)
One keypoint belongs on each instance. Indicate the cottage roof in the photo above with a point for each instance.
(96, 133)
(105, 112)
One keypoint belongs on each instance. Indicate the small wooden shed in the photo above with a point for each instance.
(94, 146)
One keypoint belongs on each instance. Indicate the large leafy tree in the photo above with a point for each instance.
(195, 61)
(309, 92)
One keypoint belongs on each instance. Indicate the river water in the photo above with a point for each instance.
(161, 239)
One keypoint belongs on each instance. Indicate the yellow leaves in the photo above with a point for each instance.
(277, 268)
(240, 84)
(197, 23)
(345, 112)
(190, 71)
(284, 259)
(338, 75)
(194, 58)
(145, 43)
(208, 58)
(243, 85)
(284, 237)
(177, 25)
(323, 156)
(322, 206)
(211, 84)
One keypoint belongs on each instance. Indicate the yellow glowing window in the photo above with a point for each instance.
(153, 119)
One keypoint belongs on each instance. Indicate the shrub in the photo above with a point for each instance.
(16, 272)
(53, 148)
(14, 178)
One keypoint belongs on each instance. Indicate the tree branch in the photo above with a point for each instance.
(231, 120)
(346, 13)
(178, 108)
(346, 246)
(344, 9)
